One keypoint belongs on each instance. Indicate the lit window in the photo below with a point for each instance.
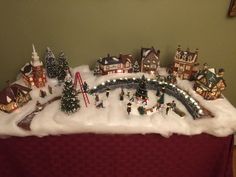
(127, 64)
(40, 79)
(187, 68)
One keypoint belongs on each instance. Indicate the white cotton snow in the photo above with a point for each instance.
(113, 118)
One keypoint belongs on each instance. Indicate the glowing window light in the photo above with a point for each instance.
(114, 80)
(94, 87)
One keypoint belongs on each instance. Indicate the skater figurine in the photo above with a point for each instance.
(100, 104)
(85, 87)
(173, 105)
(128, 94)
(129, 107)
(145, 100)
(168, 108)
(39, 106)
(96, 98)
(132, 98)
(122, 95)
(107, 92)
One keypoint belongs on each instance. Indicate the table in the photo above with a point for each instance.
(100, 155)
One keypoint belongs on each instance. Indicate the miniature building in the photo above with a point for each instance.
(150, 61)
(185, 63)
(33, 73)
(13, 97)
(209, 84)
(112, 64)
(127, 61)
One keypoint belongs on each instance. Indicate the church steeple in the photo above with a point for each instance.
(35, 58)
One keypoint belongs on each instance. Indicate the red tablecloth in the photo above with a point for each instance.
(90, 155)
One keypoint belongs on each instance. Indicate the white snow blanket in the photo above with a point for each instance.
(113, 118)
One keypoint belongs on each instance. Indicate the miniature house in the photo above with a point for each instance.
(150, 61)
(127, 61)
(33, 73)
(13, 97)
(209, 84)
(112, 64)
(185, 63)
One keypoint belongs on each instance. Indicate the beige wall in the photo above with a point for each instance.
(88, 29)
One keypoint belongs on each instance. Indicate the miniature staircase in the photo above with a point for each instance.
(84, 93)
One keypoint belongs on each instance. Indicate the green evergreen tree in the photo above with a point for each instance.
(142, 89)
(161, 99)
(63, 67)
(141, 110)
(136, 67)
(51, 64)
(69, 101)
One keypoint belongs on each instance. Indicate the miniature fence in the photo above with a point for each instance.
(152, 84)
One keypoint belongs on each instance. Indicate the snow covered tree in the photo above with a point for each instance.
(161, 99)
(69, 101)
(62, 67)
(142, 89)
(51, 63)
(136, 67)
(97, 70)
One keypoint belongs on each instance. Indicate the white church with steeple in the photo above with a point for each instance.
(33, 73)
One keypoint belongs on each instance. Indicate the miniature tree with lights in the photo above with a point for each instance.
(62, 67)
(51, 64)
(141, 91)
(69, 101)
(136, 67)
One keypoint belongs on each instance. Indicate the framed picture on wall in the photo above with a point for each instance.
(232, 8)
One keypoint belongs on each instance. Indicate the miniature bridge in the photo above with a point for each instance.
(193, 107)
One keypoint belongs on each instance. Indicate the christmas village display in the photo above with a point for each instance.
(141, 84)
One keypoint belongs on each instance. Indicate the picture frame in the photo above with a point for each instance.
(232, 9)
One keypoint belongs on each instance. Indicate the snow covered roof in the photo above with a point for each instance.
(9, 93)
(26, 69)
(146, 51)
(187, 55)
(109, 60)
(125, 58)
(211, 77)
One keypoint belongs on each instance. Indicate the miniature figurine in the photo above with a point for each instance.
(96, 98)
(85, 87)
(128, 94)
(129, 107)
(99, 104)
(43, 94)
(49, 89)
(39, 106)
(171, 106)
(132, 98)
(122, 95)
(107, 92)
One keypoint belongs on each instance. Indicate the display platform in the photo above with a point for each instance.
(100, 155)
